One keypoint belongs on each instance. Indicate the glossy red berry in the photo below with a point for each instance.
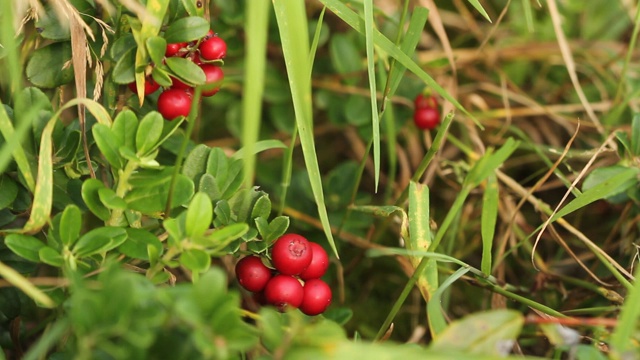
(424, 101)
(178, 84)
(214, 48)
(174, 48)
(214, 75)
(150, 86)
(319, 263)
(252, 274)
(426, 118)
(317, 297)
(284, 291)
(209, 35)
(173, 103)
(291, 254)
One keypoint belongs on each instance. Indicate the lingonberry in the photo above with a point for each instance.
(213, 49)
(178, 84)
(173, 103)
(284, 291)
(424, 101)
(426, 118)
(316, 298)
(318, 265)
(291, 254)
(214, 75)
(174, 48)
(150, 86)
(252, 274)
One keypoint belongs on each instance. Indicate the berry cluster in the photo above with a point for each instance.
(176, 100)
(296, 282)
(426, 114)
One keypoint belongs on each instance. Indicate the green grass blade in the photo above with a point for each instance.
(489, 217)
(13, 147)
(292, 24)
(256, 24)
(528, 14)
(357, 23)
(316, 38)
(621, 339)
(476, 4)
(22, 283)
(371, 70)
(437, 322)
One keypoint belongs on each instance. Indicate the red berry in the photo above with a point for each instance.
(174, 49)
(150, 86)
(195, 58)
(178, 84)
(213, 49)
(252, 274)
(214, 75)
(319, 263)
(284, 291)
(424, 101)
(173, 103)
(317, 297)
(291, 254)
(209, 35)
(426, 118)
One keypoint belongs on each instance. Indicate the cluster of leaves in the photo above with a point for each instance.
(117, 226)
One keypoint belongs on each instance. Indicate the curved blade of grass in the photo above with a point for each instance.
(371, 71)
(13, 147)
(621, 339)
(488, 221)
(256, 25)
(476, 4)
(420, 236)
(292, 24)
(357, 23)
(437, 322)
(22, 283)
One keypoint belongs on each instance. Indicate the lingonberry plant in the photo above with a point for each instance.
(297, 214)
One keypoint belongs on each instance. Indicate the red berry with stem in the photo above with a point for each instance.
(178, 84)
(291, 254)
(319, 263)
(213, 49)
(317, 297)
(424, 101)
(173, 103)
(284, 291)
(150, 86)
(252, 274)
(214, 76)
(426, 118)
(174, 48)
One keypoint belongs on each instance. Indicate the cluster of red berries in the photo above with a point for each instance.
(176, 100)
(426, 114)
(299, 264)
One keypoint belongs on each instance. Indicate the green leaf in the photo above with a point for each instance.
(437, 322)
(209, 186)
(262, 207)
(195, 260)
(111, 200)
(271, 328)
(222, 212)
(476, 4)
(156, 46)
(187, 29)
(199, 215)
(270, 231)
(186, 70)
(91, 197)
(373, 94)
(149, 132)
(225, 235)
(108, 144)
(293, 27)
(48, 67)
(70, 225)
(50, 27)
(124, 129)
(25, 246)
(490, 162)
(345, 57)
(153, 198)
(121, 46)
(635, 135)
(484, 333)
(99, 240)
(195, 164)
(8, 191)
(259, 147)
(488, 219)
(161, 76)
(138, 243)
(124, 70)
(50, 256)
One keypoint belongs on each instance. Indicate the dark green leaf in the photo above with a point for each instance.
(124, 129)
(227, 234)
(209, 186)
(25, 246)
(223, 213)
(152, 199)
(195, 164)
(66, 153)
(345, 57)
(112, 201)
(199, 215)
(195, 260)
(8, 191)
(121, 46)
(50, 256)
(49, 27)
(99, 240)
(187, 29)
(108, 144)
(156, 47)
(48, 67)
(138, 242)
(124, 70)
(91, 197)
(149, 132)
(161, 76)
(70, 225)
(262, 207)
(186, 70)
